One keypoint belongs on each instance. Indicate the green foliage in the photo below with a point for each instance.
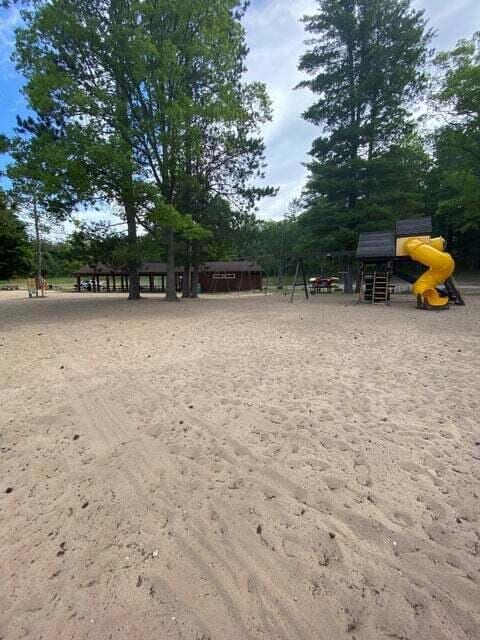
(394, 186)
(459, 89)
(158, 77)
(88, 244)
(365, 66)
(15, 254)
(41, 171)
(271, 241)
(456, 178)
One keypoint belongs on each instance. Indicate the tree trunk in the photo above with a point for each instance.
(187, 272)
(134, 280)
(186, 282)
(194, 287)
(352, 195)
(38, 278)
(171, 294)
(372, 133)
(123, 125)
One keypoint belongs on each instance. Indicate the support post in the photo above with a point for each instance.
(240, 283)
(347, 282)
(194, 282)
(38, 279)
(299, 266)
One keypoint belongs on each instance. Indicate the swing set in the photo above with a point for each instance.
(34, 285)
(290, 273)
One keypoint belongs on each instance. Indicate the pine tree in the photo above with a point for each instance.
(366, 65)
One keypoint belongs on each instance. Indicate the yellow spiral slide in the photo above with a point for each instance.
(430, 253)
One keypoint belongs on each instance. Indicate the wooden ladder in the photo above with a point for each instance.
(381, 281)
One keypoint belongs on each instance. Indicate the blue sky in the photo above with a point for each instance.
(275, 37)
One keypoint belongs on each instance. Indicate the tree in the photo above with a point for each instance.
(133, 86)
(95, 242)
(15, 254)
(200, 137)
(74, 73)
(457, 149)
(43, 196)
(366, 63)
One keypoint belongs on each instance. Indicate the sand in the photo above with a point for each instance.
(238, 467)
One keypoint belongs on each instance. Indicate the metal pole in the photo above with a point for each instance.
(304, 278)
(39, 247)
(295, 282)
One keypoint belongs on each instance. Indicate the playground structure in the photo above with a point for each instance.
(313, 273)
(385, 253)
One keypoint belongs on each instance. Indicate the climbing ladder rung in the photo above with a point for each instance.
(376, 287)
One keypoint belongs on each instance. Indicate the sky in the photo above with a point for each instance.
(275, 37)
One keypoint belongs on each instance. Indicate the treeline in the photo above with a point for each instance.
(143, 105)
(400, 131)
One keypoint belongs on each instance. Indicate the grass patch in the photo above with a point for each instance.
(64, 282)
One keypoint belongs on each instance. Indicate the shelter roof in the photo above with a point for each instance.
(160, 268)
(414, 227)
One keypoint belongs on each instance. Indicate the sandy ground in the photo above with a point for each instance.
(238, 468)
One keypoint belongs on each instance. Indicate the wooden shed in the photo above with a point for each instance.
(238, 275)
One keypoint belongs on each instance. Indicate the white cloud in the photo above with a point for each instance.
(275, 36)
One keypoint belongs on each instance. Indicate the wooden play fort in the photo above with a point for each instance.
(383, 254)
